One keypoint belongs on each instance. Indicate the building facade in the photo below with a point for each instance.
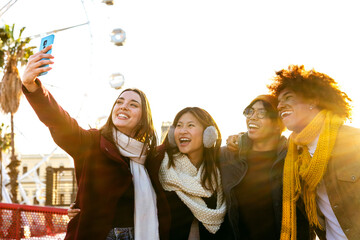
(46, 180)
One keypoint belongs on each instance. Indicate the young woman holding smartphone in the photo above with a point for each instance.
(119, 192)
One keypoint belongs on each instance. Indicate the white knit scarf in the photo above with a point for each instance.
(145, 213)
(185, 179)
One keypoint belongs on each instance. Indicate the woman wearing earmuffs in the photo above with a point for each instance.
(190, 177)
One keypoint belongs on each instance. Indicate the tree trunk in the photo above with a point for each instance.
(13, 166)
(1, 177)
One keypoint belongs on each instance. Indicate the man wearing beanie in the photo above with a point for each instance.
(252, 175)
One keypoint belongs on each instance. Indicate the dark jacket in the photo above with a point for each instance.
(182, 218)
(102, 174)
(233, 168)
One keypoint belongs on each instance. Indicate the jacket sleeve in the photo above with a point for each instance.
(65, 131)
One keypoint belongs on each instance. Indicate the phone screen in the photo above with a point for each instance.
(46, 41)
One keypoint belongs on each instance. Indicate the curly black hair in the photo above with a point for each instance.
(311, 84)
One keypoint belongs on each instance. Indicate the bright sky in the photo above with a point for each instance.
(217, 55)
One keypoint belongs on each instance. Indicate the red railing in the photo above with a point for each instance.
(32, 222)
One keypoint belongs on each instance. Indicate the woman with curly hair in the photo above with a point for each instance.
(322, 166)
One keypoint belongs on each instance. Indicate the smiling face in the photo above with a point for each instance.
(189, 136)
(127, 112)
(295, 111)
(260, 129)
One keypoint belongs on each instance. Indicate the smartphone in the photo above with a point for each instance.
(46, 41)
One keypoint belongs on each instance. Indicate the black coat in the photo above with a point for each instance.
(233, 168)
(182, 218)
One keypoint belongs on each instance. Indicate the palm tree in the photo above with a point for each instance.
(12, 52)
(5, 140)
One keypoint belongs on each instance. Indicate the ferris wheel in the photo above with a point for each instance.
(116, 37)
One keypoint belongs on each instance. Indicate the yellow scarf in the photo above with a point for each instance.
(302, 173)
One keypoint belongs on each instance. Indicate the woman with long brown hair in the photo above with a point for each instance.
(116, 167)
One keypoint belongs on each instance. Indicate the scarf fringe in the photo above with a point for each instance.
(303, 173)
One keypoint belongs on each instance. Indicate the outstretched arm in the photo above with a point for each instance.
(65, 130)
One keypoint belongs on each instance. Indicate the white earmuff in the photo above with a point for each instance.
(210, 136)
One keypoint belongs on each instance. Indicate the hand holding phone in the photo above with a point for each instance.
(46, 41)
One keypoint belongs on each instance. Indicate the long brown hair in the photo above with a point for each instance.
(210, 155)
(144, 132)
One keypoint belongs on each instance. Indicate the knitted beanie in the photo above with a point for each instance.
(273, 101)
(267, 98)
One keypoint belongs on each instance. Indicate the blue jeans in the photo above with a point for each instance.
(121, 234)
